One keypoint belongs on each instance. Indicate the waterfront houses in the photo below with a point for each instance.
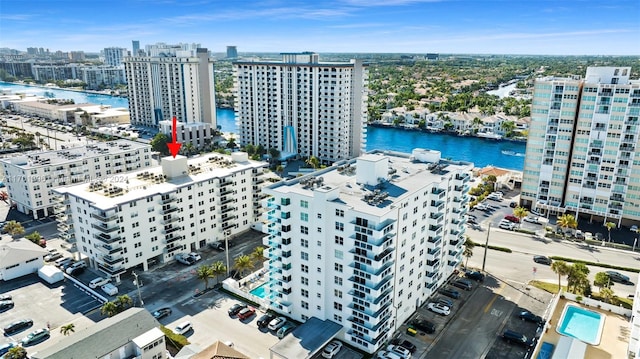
(582, 153)
(366, 241)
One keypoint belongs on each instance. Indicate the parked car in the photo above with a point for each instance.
(514, 337)
(634, 228)
(35, 336)
(535, 213)
(277, 323)
(6, 305)
(62, 261)
(530, 317)
(264, 320)
(4, 348)
(5, 297)
(110, 289)
(236, 308)
(246, 313)
(451, 293)
(98, 282)
(287, 328)
(617, 277)
(331, 349)
(599, 236)
(399, 350)
(579, 234)
(185, 259)
(52, 257)
(75, 271)
(183, 328)
(475, 275)
(439, 308)
(79, 264)
(509, 226)
(542, 260)
(462, 284)
(513, 204)
(588, 236)
(18, 326)
(423, 325)
(531, 219)
(445, 301)
(161, 313)
(196, 257)
(387, 355)
(405, 344)
(512, 218)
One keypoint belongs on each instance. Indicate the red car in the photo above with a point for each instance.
(246, 313)
(513, 219)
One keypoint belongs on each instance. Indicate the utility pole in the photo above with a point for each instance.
(226, 249)
(137, 283)
(486, 247)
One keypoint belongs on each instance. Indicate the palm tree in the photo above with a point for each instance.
(16, 353)
(313, 162)
(34, 237)
(610, 226)
(508, 127)
(468, 250)
(217, 269)
(607, 294)
(561, 269)
(205, 273)
(68, 329)
(567, 221)
(188, 148)
(242, 264)
(123, 302)
(14, 228)
(258, 254)
(520, 213)
(477, 122)
(109, 309)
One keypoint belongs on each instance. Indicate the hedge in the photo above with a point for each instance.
(603, 265)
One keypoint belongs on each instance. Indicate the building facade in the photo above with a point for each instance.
(232, 52)
(100, 77)
(146, 218)
(162, 87)
(113, 56)
(366, 242)
(582, 152)
(30, 178)
(304, 107)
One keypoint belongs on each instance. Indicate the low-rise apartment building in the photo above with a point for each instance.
(144, 218)
(365, 242)
(29, 178)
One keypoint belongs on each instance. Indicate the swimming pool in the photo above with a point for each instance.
(259, 291)
(582, 324)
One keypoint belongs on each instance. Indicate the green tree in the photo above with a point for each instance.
(258, 255)
(243, 264)
(34, 237)
(159, 144)
(567, 221)
(279, 169)
(274, 154)
(607, 294)
(602, 280)
(468, 250)
(14, 228)
(577, 279)
(205, 273)
(68, 329)
(188, 148)
(231, 143)
(217, 269)
(16, 353)
(561, 268)
(610, 226)
(313, 162)
(123, 302)
(520, 213)
(476, 123)
(508, 127)
(109, 309)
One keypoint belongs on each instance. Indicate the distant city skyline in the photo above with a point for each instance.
(571, 27)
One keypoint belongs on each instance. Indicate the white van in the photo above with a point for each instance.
(110, 289)
(98, 282)
(183, 328)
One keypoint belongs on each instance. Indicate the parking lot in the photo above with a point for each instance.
(55, 305)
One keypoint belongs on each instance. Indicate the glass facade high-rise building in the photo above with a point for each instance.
(232, 52)
(582, 152)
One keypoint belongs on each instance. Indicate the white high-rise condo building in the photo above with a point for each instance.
(304, 107)
(113, 56)
(147, 217)
(582, 152)
(365, 242)
(162, 87)
(31, 177)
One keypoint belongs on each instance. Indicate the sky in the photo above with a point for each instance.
(533, 27)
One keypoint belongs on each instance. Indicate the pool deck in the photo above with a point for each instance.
(615, 335)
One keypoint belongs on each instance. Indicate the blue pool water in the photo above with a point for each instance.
(259, 291)
(582, 324)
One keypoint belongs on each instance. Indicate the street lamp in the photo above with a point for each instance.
(226, 249)
(486, 247)
(137, 283)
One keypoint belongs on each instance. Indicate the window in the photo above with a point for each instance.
(304, 256)
(304, 268)
(340, 226)
(304, 204)
(304, 243)
(337, 280)
(305, 280)
(339, 213)
(338, 267)
(305, 305)
(304, 230)
(339, 240)
(337, 306)
(337, 293)
(304, 217)
(304, 293)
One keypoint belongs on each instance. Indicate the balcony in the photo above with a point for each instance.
(110, 248)
(105, 228)
(172, 238)
(113, 259)
(104, 216)
(170, 229)
(169, 209)
(166, 199)
(107, 238)
(225, 200)
(112, 270)
(169, 220)
(224, 192)
(433, 255)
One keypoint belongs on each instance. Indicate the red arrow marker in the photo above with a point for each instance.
(174, 146)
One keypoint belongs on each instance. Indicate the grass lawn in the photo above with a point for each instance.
(553, 288)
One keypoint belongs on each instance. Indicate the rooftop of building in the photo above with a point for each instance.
(306, 339)
(132, 186)
(405, 174)
(70, 155)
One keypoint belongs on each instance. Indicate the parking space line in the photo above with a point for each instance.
(495, 296)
